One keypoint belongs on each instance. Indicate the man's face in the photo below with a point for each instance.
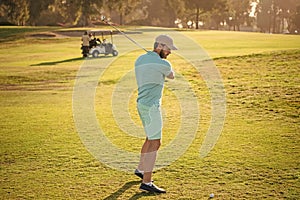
(165, 51)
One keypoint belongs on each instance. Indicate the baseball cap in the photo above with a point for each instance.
(167, 40)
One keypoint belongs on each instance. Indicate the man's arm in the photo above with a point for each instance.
(171, 75)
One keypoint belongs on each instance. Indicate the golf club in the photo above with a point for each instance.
(103, 19)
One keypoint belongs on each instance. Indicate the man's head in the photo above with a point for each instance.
(163, 45)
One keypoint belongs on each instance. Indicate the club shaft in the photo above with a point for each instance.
(127, 36)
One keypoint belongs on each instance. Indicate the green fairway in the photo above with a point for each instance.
(224, 44)
(256, 156)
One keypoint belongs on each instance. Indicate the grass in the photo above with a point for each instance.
(256, 157)
(224, 43)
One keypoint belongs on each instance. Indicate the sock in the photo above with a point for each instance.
(140, 171)
(149, 184)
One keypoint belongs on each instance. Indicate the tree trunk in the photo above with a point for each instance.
(270, 21)
(197, 18)
(121, 18)
(274, 22)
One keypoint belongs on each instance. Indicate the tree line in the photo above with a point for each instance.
(274, 16)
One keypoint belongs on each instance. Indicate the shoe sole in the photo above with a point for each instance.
(144, 190)
(147, 191)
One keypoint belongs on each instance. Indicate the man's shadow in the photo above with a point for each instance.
(127, 186)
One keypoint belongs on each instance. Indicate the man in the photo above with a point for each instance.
(151, 70)
(85, 44)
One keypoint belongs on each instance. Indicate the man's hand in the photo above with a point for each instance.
(171, 75)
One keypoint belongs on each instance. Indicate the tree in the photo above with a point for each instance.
(200, 7)
(220, 13)
(175, 10)
(123, 7)
(239, 12)
(15, 11)
(155, 12)
(274, 14)
(296, 21)
(77, 12)
(36, 8)
(285, 15)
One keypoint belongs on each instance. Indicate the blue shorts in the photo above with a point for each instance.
(152, 120)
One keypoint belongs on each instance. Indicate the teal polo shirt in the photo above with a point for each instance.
(150, 73)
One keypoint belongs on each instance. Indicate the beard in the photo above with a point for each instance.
(162, 54)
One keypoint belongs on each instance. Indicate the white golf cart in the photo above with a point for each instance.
(98, 47)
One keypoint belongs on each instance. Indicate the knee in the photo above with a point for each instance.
(158, 144)
(155, 144)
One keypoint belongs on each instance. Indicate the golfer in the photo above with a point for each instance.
(150, 71)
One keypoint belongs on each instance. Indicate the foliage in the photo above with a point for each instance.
(124, 7)
(239, 12)
(274, 16)
(200, 6)
(163, 12)
(16, 11)
(220, 13)
(296, 19)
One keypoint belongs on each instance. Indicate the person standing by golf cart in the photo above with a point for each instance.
(151, 70)
(85, 44)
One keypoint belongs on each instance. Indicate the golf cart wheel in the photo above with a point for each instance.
(115, 53)
(95, 54)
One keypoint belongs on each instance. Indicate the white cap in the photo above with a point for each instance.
(167, 40)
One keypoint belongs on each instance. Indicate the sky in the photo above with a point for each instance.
(252, 13)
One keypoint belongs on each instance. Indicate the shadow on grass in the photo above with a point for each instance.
(58, 62)
(142, 194)
(125, 187)
(68, 60)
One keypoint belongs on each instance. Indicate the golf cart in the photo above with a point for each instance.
(98, 47)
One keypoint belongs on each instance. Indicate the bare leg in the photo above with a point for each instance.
(149, 150)
(142, 156)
